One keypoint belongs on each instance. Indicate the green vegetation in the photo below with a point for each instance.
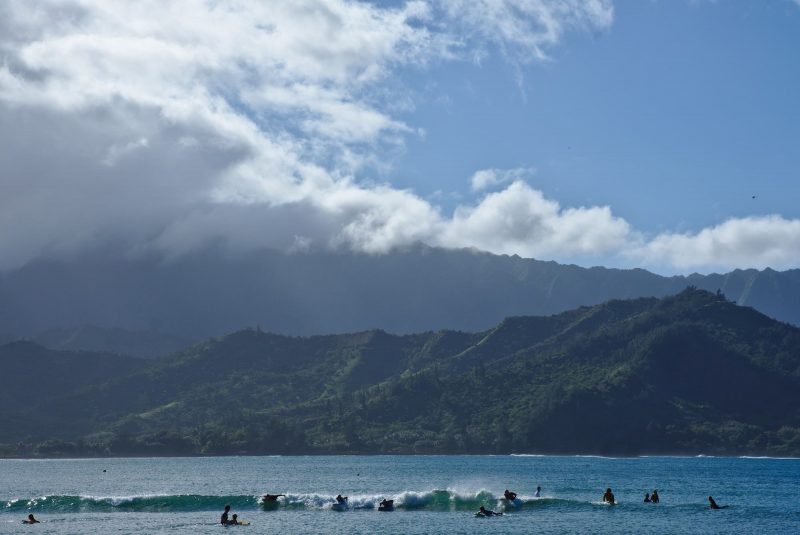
(693, 373)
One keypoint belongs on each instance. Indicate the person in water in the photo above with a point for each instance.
(713, 504)
(488, 512)
(271, 497)
(654, 497)
(508, 495)
(647, 498)
(31, 520)
(538, 493)
(608, 497)
(341, 499)
(386, 504)
(234, 521)
(224, 518)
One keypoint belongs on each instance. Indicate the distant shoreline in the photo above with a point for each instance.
(544, 455)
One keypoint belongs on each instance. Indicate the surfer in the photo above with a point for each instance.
(508, 495)
(608, 497)
(234, 521)
(712, 503)
(224, 518)
(538, 493)
(31, 520)
(341, 499)
(654, 497)
(647, 498)
(271, 497)
(487, 512)
(386, 505)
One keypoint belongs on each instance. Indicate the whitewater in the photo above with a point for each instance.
(432, 494)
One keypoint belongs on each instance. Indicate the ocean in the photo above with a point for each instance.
(432, 494)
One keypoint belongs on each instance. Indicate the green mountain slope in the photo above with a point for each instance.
(692, 373)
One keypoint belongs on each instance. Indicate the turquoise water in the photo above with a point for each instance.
(432, 494)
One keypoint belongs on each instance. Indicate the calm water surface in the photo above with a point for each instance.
(432, 494)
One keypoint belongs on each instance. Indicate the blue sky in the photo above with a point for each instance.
(675, 116)
(599, 132)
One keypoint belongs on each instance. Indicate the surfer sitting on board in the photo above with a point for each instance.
(487, 512)
(608, 497)
(31, 520)
(654, 498)
(713, 504)
(647, 498)
(508, 495)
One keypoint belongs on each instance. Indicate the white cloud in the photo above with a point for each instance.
(759, 242)
(525, 29)
(519, 220)
(167, 125)
(489, 178)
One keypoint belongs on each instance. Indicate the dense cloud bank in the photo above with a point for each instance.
(166, 126)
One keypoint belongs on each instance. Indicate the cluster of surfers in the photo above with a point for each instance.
(608, 498)
(229, 521)
(226, 519)
(388, 505)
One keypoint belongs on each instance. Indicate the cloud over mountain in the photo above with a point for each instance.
(167, 125)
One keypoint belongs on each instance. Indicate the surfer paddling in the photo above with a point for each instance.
(31, 520)
(487, 512)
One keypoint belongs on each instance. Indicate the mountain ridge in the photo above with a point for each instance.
(211, 292)
(686, 374)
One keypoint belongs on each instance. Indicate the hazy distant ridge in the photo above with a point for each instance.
(211, 293)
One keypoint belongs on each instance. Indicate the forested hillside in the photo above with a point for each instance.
(688, 374)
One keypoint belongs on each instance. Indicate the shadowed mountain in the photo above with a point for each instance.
(688, 374)
(210, 293)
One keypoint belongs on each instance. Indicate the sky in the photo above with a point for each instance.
(655, 134)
